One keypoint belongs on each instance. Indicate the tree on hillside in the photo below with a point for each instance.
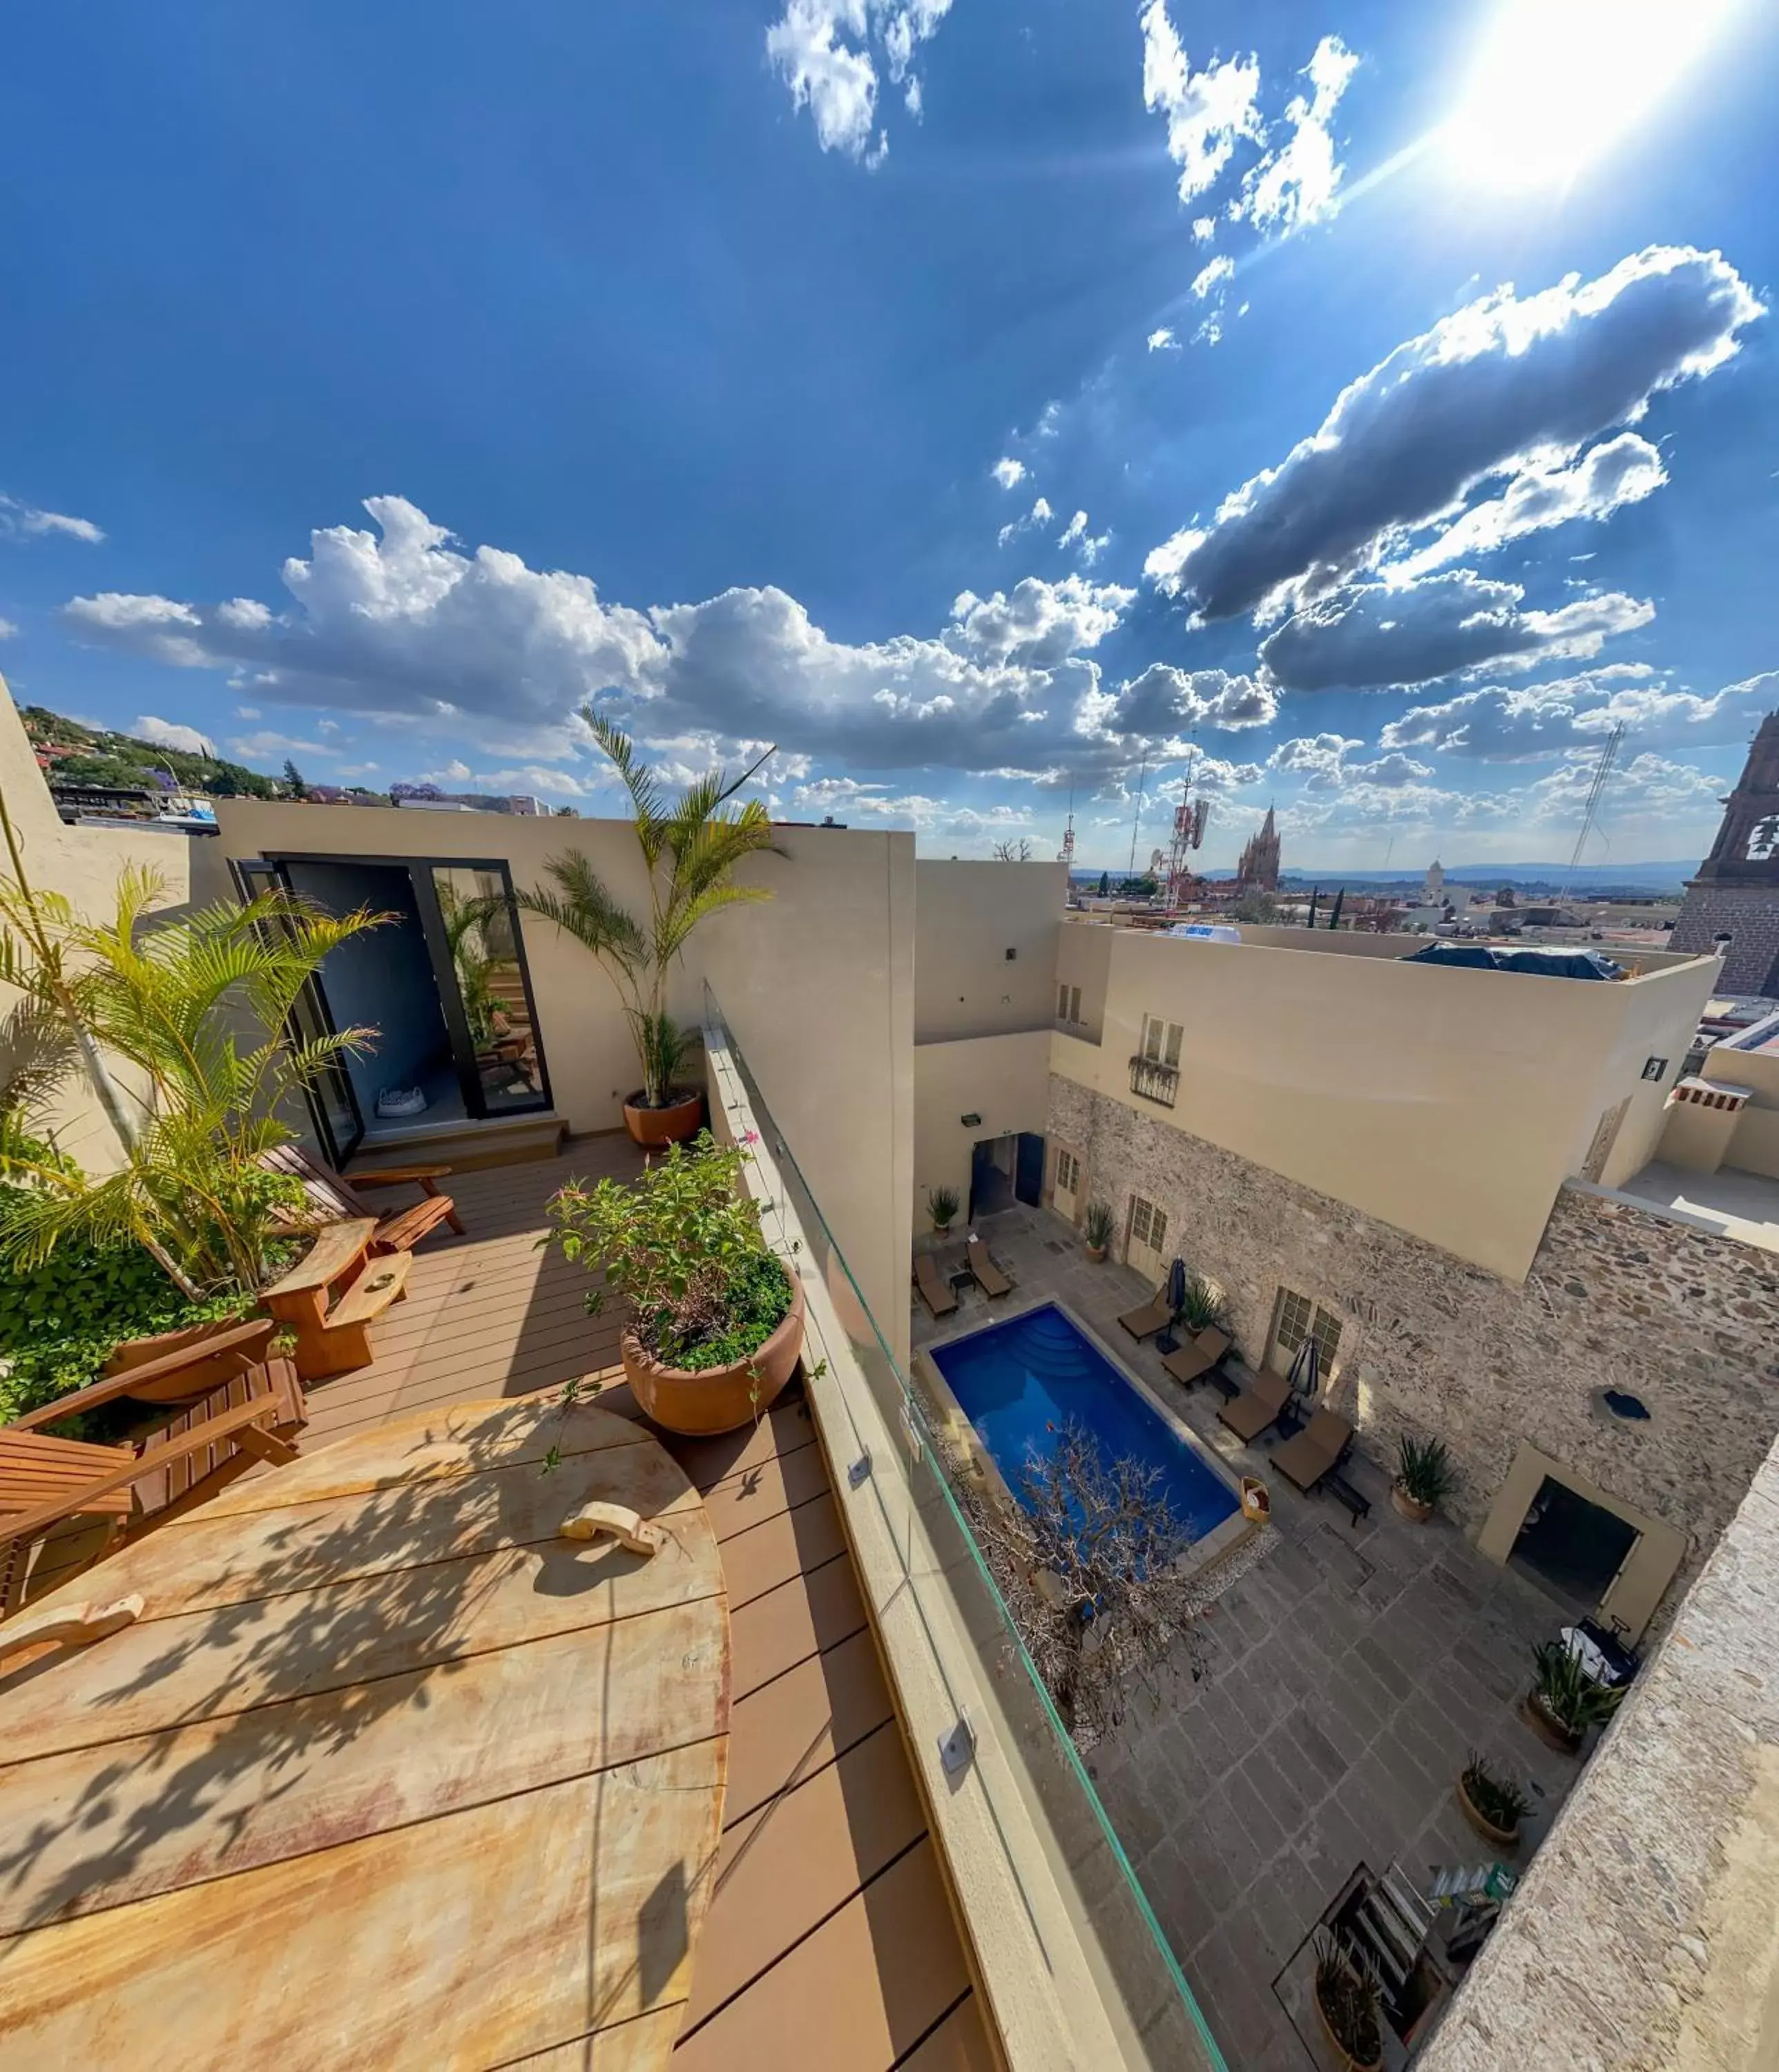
(293, 780)
(1013, 851)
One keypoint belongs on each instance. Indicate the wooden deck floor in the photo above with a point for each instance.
(830, 1943)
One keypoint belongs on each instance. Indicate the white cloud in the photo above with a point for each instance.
(26, 521)
(1075, 534)
(1040, 514)
(247, 712)
(1369, 636)
(1603, 479)
(1204, 228)
(355, 770)
(259, 747)
(1220, 268)
(169, 733)
(836, 79)
(1008, 472)
(1207, 112)
(1532, 722)
(1155, 710)
(1163, 340)
(7, 629)
(1296, 186)
(1501, 387)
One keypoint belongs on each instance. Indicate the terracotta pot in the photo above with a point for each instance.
(1411, 1507)
(653, 1127)
(1548, 1728)
(1503, 1838)
(1097, 1254)
(1343, 2056)
(717, 1399)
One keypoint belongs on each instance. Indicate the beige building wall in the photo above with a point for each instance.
(1084, 959)
(817, 985)
(1004, 1079)
(84, 865)
(967, 917)
(1754, 1146)
(1449, 1104)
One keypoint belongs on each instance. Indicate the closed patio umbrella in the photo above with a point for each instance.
(1305, 1376)
(1177, 1287)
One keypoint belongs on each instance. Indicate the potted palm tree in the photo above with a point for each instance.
(1564, 1701)
(1347, 2005)
(943, 1206)
(690, 847)
(1096, 1228)
(1202, 1307)
(1494, 1806)
(1424, 1475)
(715, 1322)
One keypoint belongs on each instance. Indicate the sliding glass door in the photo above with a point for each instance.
(441, 982)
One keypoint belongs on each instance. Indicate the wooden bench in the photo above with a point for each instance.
(1336, 1484)
(331, 1299)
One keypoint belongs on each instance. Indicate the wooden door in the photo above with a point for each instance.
(1066, 1196)
(1146, 1245)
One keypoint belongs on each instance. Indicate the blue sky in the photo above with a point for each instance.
(1411, 371)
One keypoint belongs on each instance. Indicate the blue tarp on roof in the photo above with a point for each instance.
(1548, 963)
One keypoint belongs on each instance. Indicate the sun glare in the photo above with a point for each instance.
(1553, 82)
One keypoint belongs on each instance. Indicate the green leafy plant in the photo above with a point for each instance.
(1097, 1226)
(1346, 1991)
(187, 1004)
(1498, 1799)
(1424, 1468)
(1568, 1693)
(681, 1243)
(690, 847)
(1204, 1308)
(943, 1206)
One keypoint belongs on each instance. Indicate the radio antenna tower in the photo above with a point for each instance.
(1066, 854)
(1603, 770)
(1189, 832)
(1142, 777)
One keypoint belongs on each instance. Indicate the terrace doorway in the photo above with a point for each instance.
(444, 982)
(1573, 1547)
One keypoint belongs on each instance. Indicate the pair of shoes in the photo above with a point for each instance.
(401, 1100)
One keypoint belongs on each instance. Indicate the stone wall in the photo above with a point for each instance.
(1617, 1296)
(1749, 915)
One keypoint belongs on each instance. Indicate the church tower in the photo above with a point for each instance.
(1734, 898)
(1258, 870)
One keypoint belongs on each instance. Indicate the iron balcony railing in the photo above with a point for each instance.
(1155, 1081)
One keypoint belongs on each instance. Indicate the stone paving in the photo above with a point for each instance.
(1347, 1673)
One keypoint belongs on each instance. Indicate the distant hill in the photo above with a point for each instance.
(80, 755)
(1595, 879)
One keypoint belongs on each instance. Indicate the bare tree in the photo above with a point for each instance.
(1089, 1563)
(1013, 851)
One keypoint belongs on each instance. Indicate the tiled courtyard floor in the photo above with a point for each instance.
(1347, 1673)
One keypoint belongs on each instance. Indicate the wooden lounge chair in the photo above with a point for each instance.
(936, 1292)
(988, 1277)
(1196, 1358)
(1309, 1454)
(232, 1407)
(1257, 1407)
(1146, 1323)
(335, 1199)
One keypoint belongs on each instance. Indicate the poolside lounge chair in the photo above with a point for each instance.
(1309, 1454)
(336, 1199)
(1196, 1358)
(935, 1290)
(1257, 1407)
(988, 1277)
(1146, 1322)
(223, 1422)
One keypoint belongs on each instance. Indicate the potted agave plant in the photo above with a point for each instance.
(1096, 1228)
(1424, 1475)
(715, 1322)
(1494, 1806)
(1564, 1701)
(943, 1206)
(691, 849)
(1347, 2005)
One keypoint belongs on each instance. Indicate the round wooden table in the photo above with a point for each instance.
(386, 1772)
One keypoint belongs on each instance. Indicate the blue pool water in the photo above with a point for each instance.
(1019, 1382)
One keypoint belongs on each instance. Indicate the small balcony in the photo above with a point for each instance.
(1155, 1081)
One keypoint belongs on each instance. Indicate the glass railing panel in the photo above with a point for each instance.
(944, 1570)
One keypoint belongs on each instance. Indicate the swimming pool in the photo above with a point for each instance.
(1020, 1381)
